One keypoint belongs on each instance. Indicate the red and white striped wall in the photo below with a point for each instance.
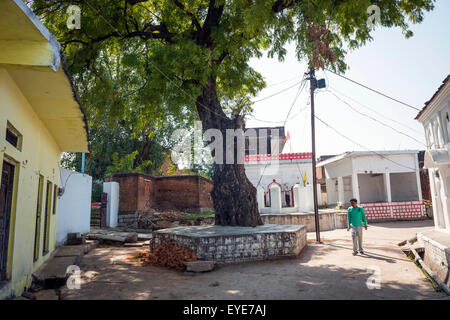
(407, 210)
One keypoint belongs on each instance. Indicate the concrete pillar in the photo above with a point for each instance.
(260, 197)
(112, 207)
(296, 191)
(387, 186)
(387, 183)
(275, 198)
(341, 197)
(419, 185)
(355, 187)
(435, 199)
(445, 199)
(319, 195)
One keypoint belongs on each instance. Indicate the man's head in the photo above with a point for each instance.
(354, 202)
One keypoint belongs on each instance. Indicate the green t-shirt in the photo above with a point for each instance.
(356, 216)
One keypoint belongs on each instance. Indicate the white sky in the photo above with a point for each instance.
(410, 70)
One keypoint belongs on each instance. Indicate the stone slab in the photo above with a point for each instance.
(226, 244)
(328, 219)
(437, 252)
(200, 266)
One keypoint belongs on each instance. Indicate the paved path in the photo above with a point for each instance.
(324, 271)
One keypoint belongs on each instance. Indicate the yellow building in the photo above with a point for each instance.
(40, 117)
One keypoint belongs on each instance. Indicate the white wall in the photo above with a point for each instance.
(339, 168)
(74, 206)
(285, 174)
(389, 162)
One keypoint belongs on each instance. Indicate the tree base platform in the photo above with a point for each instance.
(226, 244)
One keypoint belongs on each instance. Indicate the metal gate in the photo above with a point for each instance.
(6, 191)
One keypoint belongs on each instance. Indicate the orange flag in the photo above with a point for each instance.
(288, 136)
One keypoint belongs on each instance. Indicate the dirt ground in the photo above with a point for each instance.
(321, 271)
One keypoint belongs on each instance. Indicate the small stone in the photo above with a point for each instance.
(200, 266)
(46, 295)
(28, 295)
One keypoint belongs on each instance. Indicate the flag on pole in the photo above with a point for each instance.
(288, 136)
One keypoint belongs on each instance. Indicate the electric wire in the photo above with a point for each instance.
(373, 90)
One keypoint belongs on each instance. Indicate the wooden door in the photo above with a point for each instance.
(6, 192)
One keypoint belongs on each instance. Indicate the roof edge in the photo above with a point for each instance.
(56, 47)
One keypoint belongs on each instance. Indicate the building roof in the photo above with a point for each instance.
(435, 158)
(447, 79)
(350, 154)
(33, 59)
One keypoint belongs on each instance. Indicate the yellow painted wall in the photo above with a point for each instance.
(40, 155)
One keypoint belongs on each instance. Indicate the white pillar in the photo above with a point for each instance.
(319, 194)
(387, 180)
(260, 197)
(435, 199)
(296, 191)
(419, 185)
(387, 185)
(112, 207)
(445, 199)
(341, 197)
(275, 198)
(355, 187)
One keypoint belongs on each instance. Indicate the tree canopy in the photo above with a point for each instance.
(157, 61)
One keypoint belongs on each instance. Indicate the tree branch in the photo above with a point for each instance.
(190, 14)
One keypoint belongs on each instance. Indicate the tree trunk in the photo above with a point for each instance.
(233, 194)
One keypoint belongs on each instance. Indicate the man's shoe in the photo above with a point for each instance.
(355, 253)
(362, 252)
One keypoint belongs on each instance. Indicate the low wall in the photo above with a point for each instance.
(225, 244)
(328, 220)
(74, 206)
(388, 211)
(437, 253)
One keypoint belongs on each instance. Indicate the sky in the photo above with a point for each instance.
(410, 70)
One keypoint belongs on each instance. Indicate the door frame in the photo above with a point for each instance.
(5, 247)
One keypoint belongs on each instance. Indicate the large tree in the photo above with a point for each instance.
(195, 54)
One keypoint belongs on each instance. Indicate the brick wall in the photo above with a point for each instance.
(139, 192)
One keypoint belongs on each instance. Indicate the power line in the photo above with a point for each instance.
(277, 122)
(380, 93)
(373, 110)
(295, 99)
(280, 82)
(360, 145)
(277, 93)
(374, 119)
(300, 88)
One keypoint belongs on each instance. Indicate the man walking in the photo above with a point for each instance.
(356, 216)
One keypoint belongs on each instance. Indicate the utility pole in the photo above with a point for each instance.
(313, 86)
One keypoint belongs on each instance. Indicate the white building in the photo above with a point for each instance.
(386, 183)
(435, 117)
(286, 170)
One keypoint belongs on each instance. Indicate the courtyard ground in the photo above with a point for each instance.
(322, 271)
